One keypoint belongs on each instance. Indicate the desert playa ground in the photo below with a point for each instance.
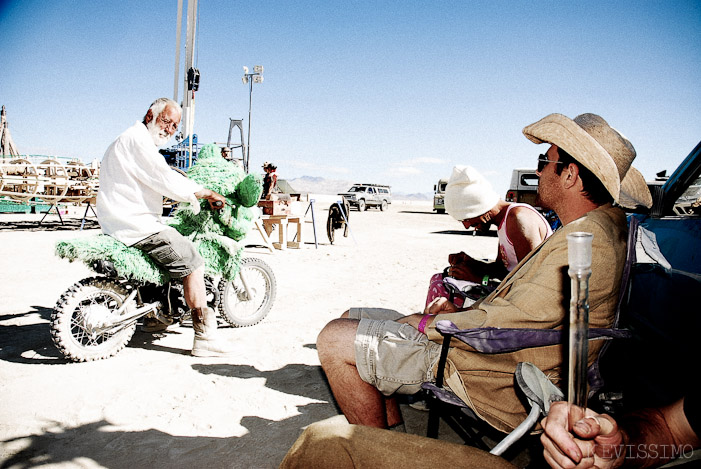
(154, 405)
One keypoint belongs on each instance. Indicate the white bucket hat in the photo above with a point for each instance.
(600, 148)
(468, 194)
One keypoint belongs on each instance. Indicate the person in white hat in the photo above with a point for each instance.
(370, 353)
(470, 199)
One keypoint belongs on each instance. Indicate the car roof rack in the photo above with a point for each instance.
(368, 184)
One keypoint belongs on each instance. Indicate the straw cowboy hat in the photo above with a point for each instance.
(601, 149)
(468, 194)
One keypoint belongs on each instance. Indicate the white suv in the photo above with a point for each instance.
(368, 195)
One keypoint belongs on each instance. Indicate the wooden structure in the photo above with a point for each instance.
(50, 181)
(283, 222)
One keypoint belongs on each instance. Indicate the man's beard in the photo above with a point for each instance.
(159, 136)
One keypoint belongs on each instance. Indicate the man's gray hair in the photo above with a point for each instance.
(161, 103)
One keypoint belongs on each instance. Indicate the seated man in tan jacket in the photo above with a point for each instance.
(369, 354)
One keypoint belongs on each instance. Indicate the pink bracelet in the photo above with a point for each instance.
(422, 323)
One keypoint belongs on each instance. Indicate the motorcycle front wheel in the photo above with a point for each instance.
(79, 319)
(247, 299)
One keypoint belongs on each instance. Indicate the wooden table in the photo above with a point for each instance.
(282, 221)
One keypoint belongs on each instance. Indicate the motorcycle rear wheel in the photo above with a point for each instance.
(241, 310)
(89, 302)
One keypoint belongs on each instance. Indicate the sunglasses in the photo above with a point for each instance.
(543, 162)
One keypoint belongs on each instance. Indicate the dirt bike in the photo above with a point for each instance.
(96, 317)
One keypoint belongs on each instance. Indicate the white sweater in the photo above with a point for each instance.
(134, 177)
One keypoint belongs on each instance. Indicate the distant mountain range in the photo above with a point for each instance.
(319, 185)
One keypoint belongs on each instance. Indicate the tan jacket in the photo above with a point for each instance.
(535, 295)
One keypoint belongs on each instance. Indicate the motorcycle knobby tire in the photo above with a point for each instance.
(241, 309)
(93, 300)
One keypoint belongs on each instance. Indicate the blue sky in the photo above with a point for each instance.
(393, 92)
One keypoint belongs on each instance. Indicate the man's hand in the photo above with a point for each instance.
(458, 258)
(464, 267)
(212, 197)
(440, 305)
(576, 437)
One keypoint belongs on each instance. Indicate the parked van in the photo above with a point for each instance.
(439, 196)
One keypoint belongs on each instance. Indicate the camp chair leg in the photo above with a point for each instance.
(434, 417)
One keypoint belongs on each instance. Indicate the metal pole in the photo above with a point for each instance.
(579, 257)
(248, 141)
(178, 34)
(189, 98)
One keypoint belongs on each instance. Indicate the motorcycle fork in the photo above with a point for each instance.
(246, 290)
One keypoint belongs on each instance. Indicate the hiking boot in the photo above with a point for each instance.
(207, 341)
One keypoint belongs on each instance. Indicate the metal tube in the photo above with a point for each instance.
(579, 256)
(248, 141)
(178, 33)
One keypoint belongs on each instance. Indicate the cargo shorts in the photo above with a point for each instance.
(391, 356)
(172, 251)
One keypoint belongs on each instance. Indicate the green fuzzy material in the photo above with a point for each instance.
(217, 234)
(128, 261)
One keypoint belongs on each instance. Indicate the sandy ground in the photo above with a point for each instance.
(154, 405)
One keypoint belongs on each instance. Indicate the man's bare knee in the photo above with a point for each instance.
(198, 272)
(336, 340)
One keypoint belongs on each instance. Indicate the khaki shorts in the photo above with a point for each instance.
(172, 251)
(391, 356)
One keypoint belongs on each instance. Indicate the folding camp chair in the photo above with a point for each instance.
(445, 404)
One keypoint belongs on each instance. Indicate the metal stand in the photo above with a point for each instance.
(85, 215)
(311, 207)
(237, 123)
(58, 212)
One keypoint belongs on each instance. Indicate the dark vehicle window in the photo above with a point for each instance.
(529, 180)
(690, 201)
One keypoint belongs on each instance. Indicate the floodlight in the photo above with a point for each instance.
(245, 79)
(245, 69)
(257, 79)
(258, 69)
